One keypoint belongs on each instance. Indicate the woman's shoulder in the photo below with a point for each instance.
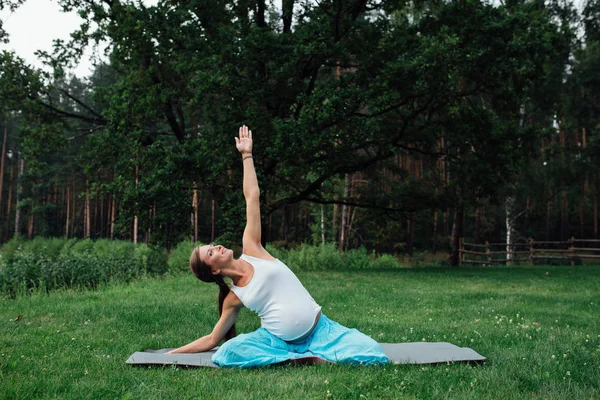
(258, 252)
(250, 258)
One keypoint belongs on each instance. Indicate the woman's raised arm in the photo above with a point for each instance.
(251, 240)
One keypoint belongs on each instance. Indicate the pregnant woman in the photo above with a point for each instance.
(292, 324)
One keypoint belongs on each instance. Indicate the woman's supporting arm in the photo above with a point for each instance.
(231, 311)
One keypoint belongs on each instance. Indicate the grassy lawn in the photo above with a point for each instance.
(539, 327)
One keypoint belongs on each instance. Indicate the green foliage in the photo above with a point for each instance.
(308, 257)
(279, 253)
(328, 257)
(386, 261)
(55, 263)
(9, 248)
(153, 259)
(159, 118)
(179, 257)
(357, 259)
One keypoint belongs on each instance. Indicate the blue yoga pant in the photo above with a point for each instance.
(329, 341)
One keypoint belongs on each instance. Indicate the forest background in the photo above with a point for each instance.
(398, 126)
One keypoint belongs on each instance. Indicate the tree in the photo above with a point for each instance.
(183, 76)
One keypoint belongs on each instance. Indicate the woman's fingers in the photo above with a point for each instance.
(244, 132)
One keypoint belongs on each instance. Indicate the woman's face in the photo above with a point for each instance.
(215, 256)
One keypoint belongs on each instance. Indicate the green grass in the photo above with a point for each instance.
(538, 327)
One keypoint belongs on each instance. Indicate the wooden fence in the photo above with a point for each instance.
(572, 250)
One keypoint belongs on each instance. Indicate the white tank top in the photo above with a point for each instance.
(284, 306)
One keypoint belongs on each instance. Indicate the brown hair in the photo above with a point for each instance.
(203, 272)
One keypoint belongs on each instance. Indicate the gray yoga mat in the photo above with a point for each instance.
(398, 353)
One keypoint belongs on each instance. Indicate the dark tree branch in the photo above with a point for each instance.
(81, 103)
(356, 204)
(54, 110)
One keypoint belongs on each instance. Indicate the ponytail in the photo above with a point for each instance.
(202, 271)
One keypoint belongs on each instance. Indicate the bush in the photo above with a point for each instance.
(76, 268)
(328, 257)
(153, 260)
(10, 248)
(179, 259)
(386, 261)
(50, 247)
(323, 257)
(52, 263)
(277, 252)
(357, 259)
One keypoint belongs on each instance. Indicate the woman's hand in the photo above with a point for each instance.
(244, 142)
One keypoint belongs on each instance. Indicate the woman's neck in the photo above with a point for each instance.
(238, 271)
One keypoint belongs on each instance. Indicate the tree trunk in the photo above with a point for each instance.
(135, 218)
(68, 211)
(87, 213)
(596, 213)
(477, 223)
(287, 9)
(195, 206)
(30, 222)
(9, 201)
(322, 224)
(510, 205)
(212, 230)
(527, 206)
(548, 213)
(457, 233)
(73, 208)
(410, 233)
(581, 221)
(585, 186)
(95, 219)
(270, 231)
(334, 222)
(2, 157)
(19, 193)
(343, 222)
(102, 220)
(564, 218)
(150, 220)
(435, 231)
(284, 224)
(113, 211)
(564, 210)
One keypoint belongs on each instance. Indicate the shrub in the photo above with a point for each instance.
(277, 252)
(76, 268)
(310, 257)
(328, 257)
(357, 259)
(386, 261)
(152, 260)
(52, 263)
(121, 258)
(10, 248)
(179, 259)
(50, 247)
